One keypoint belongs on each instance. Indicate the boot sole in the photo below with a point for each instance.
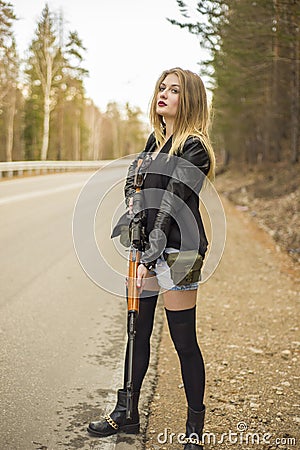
(128, 429)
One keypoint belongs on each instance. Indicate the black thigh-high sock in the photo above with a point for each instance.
(182, 326)
(144, 326)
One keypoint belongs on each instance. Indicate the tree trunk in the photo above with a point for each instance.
(10, 125)
(275, 93)
(295, 107)
(46, 125)
(77, 136)
(60, 116)
(47, 105)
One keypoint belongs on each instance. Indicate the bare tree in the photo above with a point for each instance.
(9, 67)
(46, 61)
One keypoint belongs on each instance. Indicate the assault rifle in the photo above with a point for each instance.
(137, 239)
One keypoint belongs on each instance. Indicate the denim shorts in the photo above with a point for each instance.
(163, 275)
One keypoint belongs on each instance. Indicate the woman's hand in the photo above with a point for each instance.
(141, 275)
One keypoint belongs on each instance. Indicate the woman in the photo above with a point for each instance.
(181, 157)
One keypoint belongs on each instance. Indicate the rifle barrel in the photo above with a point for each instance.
(132, 315)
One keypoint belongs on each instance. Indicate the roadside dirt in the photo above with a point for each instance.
(271, 197)
(248, 330)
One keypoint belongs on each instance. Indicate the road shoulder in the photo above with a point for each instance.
(249, 335)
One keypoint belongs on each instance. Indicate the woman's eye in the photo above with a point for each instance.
(173, 90)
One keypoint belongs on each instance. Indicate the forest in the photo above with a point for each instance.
(44, 111)
(252, 70)
(253, 67)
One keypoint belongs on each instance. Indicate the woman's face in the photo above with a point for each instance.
(168, 97)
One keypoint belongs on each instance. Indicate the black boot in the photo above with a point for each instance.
(194, 429)
(117, 421)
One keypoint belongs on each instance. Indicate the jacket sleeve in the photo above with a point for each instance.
(188, 177)
(189, 173)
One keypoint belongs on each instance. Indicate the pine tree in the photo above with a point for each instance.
(9, 68)
(54, 109)
(45, 64)
(254, 67)
(74, 75)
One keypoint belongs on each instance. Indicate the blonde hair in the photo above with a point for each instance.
(192, 117)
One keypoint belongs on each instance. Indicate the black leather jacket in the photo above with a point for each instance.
(171, 196)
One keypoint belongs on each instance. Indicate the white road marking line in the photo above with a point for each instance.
(28, 195)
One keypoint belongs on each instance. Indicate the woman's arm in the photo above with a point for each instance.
(187, 177)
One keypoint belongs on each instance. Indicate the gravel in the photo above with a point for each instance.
(248, 330)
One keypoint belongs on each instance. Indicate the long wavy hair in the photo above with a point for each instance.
(192, 117)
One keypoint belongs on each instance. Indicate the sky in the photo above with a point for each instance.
(129, 43)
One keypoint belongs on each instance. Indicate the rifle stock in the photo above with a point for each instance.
(133, 294)
(133, 310)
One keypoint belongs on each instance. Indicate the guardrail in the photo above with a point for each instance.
(18, 168)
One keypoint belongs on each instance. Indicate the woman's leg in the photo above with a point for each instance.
(144, 326)
(180, 300)
(117, 421)
(181, 315)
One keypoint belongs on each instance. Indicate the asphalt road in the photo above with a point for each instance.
(62, 336)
